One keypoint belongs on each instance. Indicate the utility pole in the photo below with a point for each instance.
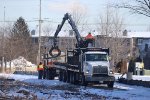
(3, 40)
(131, 48)
(39, 51)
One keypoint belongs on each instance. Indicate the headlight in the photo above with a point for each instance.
(87, 68)
(111, 71)
(87, 71)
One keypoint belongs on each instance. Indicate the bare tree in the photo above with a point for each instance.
(4, 31)
(79, 13)
(137, 6)
(48, 32)
(111, 36)
(48, 29)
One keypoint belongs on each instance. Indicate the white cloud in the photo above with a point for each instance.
(67, 6)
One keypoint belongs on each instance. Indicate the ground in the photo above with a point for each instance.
(26, 87)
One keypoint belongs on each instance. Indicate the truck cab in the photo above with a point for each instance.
(96, 63)
(96, 68)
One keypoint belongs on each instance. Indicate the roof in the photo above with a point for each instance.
(138, 34)
(66, 34)
(84, 34)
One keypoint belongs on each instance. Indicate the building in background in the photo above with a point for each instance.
(135, 44)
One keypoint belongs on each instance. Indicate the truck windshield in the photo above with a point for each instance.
(96, 57)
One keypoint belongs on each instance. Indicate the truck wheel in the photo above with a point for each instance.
(71, 78)
(68, 77)
(52, 76)
(110, 84)
(64, 76)
(77, 81)
(83, 83)
(74, 78)
(60, 76)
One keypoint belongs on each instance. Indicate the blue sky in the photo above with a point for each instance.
(55, 9)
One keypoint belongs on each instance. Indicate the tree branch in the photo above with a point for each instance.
(139, 6)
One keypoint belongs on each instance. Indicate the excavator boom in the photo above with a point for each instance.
(80, 42)
(68, 17)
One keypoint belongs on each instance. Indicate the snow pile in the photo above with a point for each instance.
(21, 62)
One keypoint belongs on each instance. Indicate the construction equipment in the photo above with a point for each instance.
(84, 64)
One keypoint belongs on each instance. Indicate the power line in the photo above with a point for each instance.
(55, 22)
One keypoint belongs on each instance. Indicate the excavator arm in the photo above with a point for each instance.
(67, 17)
(80, 42)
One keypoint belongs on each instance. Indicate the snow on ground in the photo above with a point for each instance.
(17, 76)
(56, 90)
(135, 77)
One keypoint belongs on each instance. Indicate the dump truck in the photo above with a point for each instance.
(83, 65)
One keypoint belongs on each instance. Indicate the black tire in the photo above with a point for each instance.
(77, 81)
(68, 77)
(71, 77)
(75, 78)
(53, 72)
(60, 76)
(83, 82)
(110, 84)
(64, 76)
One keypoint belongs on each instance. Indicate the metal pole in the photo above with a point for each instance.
(4, 14)
(131, 48)
(3, 40)
(39, 51)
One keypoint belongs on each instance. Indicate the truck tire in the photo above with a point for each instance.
(110, 84)
(64, 76)
(75, 78)
(83, 82)
(71, 77)
(60, 76)
(68, 76)
(53, 73)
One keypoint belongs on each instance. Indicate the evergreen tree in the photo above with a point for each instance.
(20, 39)
(20, 29)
